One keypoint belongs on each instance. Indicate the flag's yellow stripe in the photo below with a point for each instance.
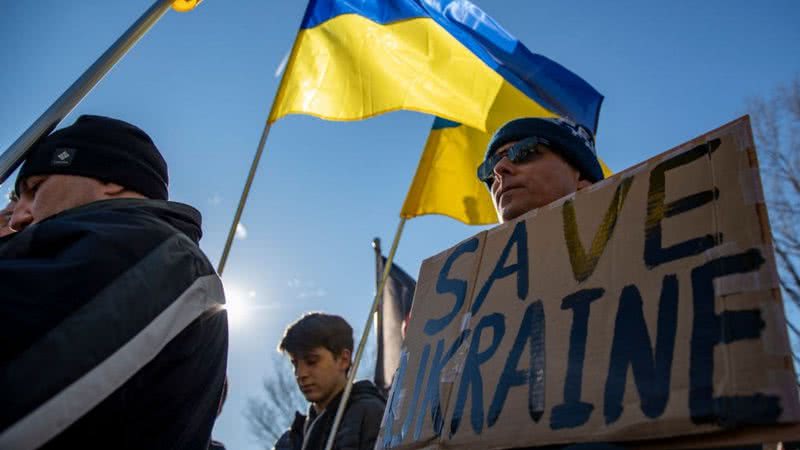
(445, 182)
(351, 68)
(607, 172)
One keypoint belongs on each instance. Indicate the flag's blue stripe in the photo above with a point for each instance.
(379, 11)
(439, 123)
(543, 80)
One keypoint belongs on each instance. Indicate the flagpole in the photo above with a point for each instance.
(14, 155)
(376, 245)
(250, 175)
(364, 334)
(243, 199)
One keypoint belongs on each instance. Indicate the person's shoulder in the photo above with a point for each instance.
(360, 426)
(292, 439)
(141, 214)
(367, 397)
(367, 388)
(127, 223)
(119, 234)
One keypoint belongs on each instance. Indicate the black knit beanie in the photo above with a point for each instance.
(106, 149)
(572, 141)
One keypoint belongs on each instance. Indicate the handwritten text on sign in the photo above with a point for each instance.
(525, 335)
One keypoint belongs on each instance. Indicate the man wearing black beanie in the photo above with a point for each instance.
(111, 322)
(96, 158)
(531, 162)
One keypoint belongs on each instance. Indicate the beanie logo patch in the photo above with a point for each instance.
(578, 131)
(63, 156)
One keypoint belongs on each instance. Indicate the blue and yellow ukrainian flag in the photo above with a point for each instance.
(446, 181)
(354, 59)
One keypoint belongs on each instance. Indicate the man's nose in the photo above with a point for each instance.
(21, 218)
(504, 167)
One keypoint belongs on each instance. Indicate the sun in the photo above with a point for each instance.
(238, 302)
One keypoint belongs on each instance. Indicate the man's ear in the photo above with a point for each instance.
(112, 189)
(345, 361)
(583, 182)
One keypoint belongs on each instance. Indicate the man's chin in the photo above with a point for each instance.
(510, 213)
(514, 210)
(311, 398)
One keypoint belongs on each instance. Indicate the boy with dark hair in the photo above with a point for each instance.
(320, 347)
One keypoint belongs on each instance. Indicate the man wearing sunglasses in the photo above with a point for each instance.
(531, 162)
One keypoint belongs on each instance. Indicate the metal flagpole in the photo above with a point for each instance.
(376, 245)
(243, 199)
(363, 342)
(14, 155)
(226, 250)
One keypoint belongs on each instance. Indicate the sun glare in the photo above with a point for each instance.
(238, 304)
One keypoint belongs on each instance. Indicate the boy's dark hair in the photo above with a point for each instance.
(317, 329)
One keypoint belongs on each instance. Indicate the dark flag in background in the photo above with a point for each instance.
(393, 312)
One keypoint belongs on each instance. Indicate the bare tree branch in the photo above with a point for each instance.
(794, 328)
(270, 416)
(791, 285)
(776, 128)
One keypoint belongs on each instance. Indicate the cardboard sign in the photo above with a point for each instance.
(643, 307)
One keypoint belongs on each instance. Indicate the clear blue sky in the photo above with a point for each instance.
(202, 84)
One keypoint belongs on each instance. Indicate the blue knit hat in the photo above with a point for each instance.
(572, 141)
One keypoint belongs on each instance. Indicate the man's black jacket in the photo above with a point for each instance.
(358, 430)
(111, 330)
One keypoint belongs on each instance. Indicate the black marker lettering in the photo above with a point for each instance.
(710, 329)
(531, 333)
(472, 372)
(631, 347)
(432, 399)
(657, 210)
(519, 238)
(453, 286)
(573, 412)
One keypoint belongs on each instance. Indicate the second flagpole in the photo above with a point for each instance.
(364, 335)
(243, 199)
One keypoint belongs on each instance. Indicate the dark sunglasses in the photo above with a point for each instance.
(517, 153)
